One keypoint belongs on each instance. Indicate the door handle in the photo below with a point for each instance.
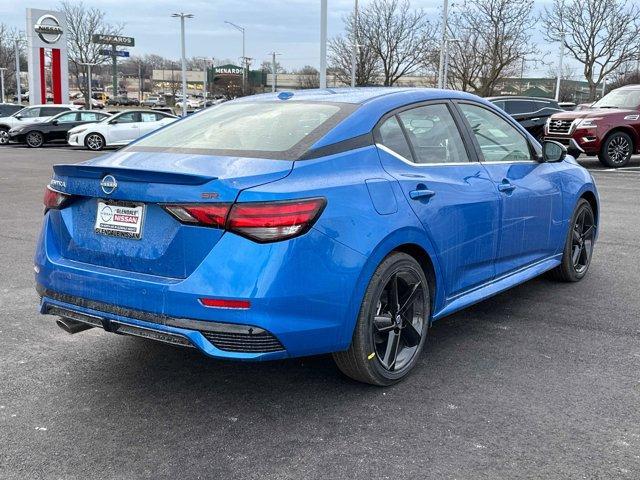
(506, 186)
(421, 193)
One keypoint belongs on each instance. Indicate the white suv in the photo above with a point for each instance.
(33, 114)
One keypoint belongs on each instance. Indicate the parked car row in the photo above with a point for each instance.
(38, 125)
(608, 128)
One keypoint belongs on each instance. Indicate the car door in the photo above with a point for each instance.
(530, 191)
(124, 128)
(63, 123)
(447, 188)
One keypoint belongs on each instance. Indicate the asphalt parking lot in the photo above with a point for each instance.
(542, 381)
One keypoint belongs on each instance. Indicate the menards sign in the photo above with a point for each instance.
(227, 70)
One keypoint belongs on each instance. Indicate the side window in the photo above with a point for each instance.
(514, 107)
(51, 111)
(499, 141)
(67, 117)
(127, 118)
(392, 137)
(90, 116)
(433, 134)
(149, 117)
(30, 112)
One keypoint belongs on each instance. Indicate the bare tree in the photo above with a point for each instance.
(341, 51)
(493, 37)
(600, 34)
(398, 36)
(267, 66)
(567, 90)
(82, 23)
(8, 36)
(308, 77)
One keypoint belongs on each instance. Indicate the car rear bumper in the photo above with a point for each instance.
(300, 292)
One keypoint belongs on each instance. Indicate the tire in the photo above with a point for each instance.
(576, 256)
(4, 136)
(616, 150)
(371, 357)
(34, 139)
(94, 141)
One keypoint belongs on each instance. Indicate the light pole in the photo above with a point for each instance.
(354, 50)
(323, 44)
(2, 69)
(182, 16)
(274, 70)
(18, 86)
(89, 65)
(559, 79)
(443, 45)
(205, 79)
(445, 72)
(244, 57)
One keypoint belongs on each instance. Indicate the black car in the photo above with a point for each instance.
(124, 101)
(530, 112)
(8, 109)
(55, 129)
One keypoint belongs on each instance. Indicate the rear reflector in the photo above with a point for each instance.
(258, 221)
(222, 303)
(53, 199)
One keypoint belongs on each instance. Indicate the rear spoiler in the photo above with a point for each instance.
(130, 174)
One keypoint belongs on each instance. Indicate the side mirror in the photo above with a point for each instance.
(19, 117)
(55, 122)
(553, 151)
(113, 122)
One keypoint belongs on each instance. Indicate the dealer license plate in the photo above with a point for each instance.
(119, 219)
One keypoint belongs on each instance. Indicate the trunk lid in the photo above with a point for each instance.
(166, 247)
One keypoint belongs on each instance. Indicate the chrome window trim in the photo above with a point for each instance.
(409, 162)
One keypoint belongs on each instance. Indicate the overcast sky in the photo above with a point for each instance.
(291, 27)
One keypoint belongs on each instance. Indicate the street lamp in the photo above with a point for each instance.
(446, 60)
(2, 69)
(443, 45)
(89, 65)
(560, 66)
(354, 49)
(244, 58)
(182, 16)
(323, 44)
(205, 80)
(274, 70)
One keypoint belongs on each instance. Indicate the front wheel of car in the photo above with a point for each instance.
(4, 136)
(578, 248)
(95, 142)
(34, 139)
(392, 324)
(616, 150)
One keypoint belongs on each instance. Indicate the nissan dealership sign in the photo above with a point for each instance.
(48, 29)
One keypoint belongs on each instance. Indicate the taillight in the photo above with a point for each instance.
(54, 200)
(273, 221)
(258, 221)
(210, 215)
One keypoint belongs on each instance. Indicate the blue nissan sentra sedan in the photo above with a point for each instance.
(339, 221)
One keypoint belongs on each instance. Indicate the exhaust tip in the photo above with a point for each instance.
(72, 326)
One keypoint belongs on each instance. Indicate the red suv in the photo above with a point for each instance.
(610, 128)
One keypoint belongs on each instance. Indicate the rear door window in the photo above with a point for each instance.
(433, 134)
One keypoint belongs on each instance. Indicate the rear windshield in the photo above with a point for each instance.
(279, 130)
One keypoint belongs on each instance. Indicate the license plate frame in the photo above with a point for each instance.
(128, 225)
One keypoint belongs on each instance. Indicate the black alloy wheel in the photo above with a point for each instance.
(616, 150)
(392, 325)
(34, 139)
(578, 249)
(582, 239)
